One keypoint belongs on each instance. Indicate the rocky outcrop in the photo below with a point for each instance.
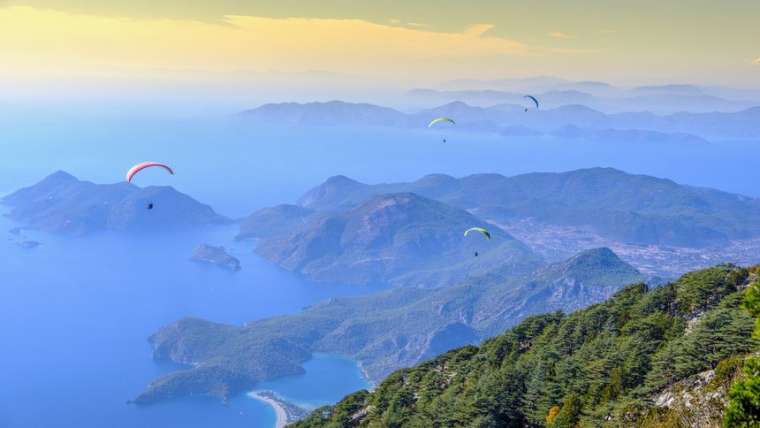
(698, 401)
(216, 256)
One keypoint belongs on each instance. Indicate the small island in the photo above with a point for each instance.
(63, 204)
(29, 244)
(217, 256)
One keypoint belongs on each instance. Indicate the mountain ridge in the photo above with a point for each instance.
(387, 330)
(631, 208)
(737, 124)
(61, 203)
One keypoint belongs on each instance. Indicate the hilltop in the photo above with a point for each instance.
(398, 238)
(61, 203)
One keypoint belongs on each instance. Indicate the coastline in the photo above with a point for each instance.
(287, 412)
(280, 414)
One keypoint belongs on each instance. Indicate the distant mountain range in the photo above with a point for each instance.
(385, 331)
(660, 100)
(61, 203)
(555, 92)
(330, 113)
(410, 233)
(741, 124)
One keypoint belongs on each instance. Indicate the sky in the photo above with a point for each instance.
(68, 46)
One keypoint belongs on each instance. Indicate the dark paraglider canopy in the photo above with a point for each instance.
(533, 99)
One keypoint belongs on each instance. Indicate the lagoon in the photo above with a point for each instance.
(328, 379)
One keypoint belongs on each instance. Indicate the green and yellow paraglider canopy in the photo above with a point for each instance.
(441, 119)
(481, 230)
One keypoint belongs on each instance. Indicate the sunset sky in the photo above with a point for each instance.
(391, 42)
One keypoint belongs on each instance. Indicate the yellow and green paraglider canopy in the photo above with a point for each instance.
(441, 119)
(481, 230)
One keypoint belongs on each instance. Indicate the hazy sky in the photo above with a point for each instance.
(391, 43)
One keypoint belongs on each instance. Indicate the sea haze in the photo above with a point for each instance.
(237, 166)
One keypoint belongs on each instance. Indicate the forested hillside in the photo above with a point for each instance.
(630, 361)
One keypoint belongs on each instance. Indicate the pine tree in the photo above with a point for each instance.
(569, 414)
(744, 397)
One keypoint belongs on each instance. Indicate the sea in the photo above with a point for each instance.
(75, 315)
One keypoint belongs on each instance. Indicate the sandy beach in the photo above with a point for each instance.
(282, 416)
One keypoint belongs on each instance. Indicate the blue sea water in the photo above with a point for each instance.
(327, 379)
(75, 315)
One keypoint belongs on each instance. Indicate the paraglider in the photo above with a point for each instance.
(532, 98)
(439, 120)
(481, 230)
(141, 166)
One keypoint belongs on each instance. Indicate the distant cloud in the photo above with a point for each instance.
(478, 30)
(398, 22)
(560, 35)
(572, 51)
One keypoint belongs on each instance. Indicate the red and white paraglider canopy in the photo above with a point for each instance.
(141, 166)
